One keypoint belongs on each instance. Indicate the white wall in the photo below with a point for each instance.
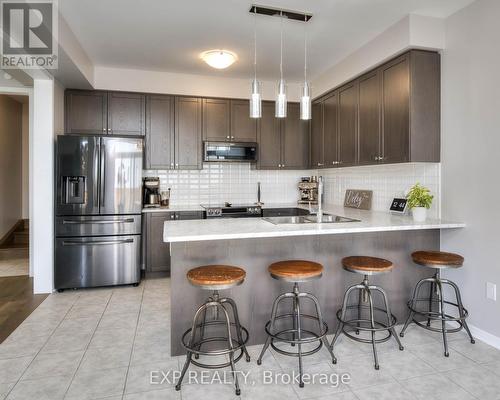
(470, 154)
(25, 159)
(413, 31)
(183, 84)
(42, 185)
(10, 163)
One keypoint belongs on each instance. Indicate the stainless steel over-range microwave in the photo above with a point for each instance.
(229, 151)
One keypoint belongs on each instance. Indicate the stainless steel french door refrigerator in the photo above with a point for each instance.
(98, 211)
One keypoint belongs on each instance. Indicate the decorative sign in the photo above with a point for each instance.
(398, 205)
(360, 199)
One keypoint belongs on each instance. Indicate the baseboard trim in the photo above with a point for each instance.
(485, 337)
(5, 239)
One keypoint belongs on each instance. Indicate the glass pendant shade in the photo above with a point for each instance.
(305, 102)
(255, 100)
(281, 104)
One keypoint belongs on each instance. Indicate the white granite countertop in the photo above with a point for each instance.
(242, 228)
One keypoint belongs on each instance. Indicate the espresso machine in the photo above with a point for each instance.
(308, 190)
(151, 192)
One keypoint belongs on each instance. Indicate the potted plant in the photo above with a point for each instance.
(419, 201)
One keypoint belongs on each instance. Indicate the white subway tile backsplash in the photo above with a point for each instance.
(237, 183)
(386, 182)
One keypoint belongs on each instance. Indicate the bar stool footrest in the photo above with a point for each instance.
(355, 324)
(278, 337)
(195, 349)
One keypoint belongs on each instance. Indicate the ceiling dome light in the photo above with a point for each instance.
(219, 59)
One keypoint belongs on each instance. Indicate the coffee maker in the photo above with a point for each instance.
(308, 190)
(151, 192)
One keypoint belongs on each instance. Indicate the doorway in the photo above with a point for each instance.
(14, 185)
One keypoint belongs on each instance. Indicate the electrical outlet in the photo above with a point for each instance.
(491, 291)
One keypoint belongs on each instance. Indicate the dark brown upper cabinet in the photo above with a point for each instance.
(294, 139)
(188, 152)
(86, 112)
(243, 128)
(216, 120)
(411, 108)
(348, 124)
(159, 143)
(317, 130)
(389, 115)
(370, 139)
(330, 130)
(283, 143)
(227, 120)
(269, 138)
(126, 113)
(100, 112)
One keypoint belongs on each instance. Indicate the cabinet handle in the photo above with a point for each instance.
(172, 165)
(104, 129)
(176, 165)
(110, 130)
(228, 137)
(282, 165)
(320, 164)
(232, 137)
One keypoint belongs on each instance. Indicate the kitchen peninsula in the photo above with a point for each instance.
(254, 243)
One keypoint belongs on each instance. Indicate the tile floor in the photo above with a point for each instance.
(103, 344)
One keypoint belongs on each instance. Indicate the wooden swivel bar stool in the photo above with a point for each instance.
(215, 278)
(435, 303)
(366, 266)
(296, 271)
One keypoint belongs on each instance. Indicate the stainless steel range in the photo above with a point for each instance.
(228, 210)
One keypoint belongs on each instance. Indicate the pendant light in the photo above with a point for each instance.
(305, 98)
(281, 106)
(255, 97)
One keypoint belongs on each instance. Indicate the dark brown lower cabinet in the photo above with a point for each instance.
(156, 253)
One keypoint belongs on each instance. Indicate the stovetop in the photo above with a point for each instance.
(229, 210)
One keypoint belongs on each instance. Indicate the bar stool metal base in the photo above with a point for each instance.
(295, 335)
(359, 324)
(193, 345)
(434, 301)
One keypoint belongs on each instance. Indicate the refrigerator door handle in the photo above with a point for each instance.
(92, 222)
(96, 172)
(103, 175)
(96, 242)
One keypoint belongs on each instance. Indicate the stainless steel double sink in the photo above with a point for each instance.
(309, 219)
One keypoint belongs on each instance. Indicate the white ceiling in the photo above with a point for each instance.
(167, 35)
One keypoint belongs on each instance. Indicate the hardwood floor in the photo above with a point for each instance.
(17, 301)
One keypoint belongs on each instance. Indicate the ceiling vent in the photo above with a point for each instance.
(278, 12)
